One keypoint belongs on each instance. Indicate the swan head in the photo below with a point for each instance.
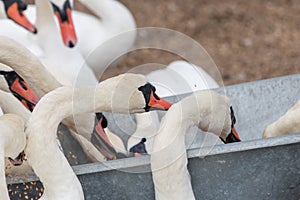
(63, 12)
(211, 112)
(131, 93)
(139, 149)
(100, 140)
(233, 135)
(14, 10)
(18, 87)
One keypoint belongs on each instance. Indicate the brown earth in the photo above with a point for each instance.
(248, 40)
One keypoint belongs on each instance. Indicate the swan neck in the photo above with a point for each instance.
(30, 69)
(169, 160)
(42, 150)
(102, 8)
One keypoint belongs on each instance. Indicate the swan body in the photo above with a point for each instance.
(286, 124)
(13, 141)
(207, 110)
(122, 94)
(100, 38)
(181, 77)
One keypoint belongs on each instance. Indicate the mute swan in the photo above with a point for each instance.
(100, 38)
(139, 149)
(18, 87)
(93, 32)
(146, 126)
(286, 124)
(9, 104)
(209, 111)
(63, 13)
(179, 77)
(42, 82)
(13, 141)
(106, 141)
(125, 93)
(14, 10)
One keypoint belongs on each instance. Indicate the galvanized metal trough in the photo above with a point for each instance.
(253, 169)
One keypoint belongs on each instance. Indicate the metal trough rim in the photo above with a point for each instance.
(192, 153)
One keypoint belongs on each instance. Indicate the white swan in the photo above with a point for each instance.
(100, 38)
(112, 18)
(13, 141)
(286, 124)
(14, 10)
(146, 127)
(9, 104)
(63, 13)
(106, 141)
(179, 77)
(10, 81)
(209, 111)
(66, 65)
(42, 82)
(126, 93)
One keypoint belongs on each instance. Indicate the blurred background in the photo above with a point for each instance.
(248, 40)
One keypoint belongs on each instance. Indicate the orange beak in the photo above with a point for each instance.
(67, 29)
(19, 17)
(102, 143)
(236, 135)
(159, 103)
(24, 91)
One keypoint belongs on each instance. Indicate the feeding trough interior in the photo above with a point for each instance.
(253, 169)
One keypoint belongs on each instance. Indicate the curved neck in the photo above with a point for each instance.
(169, 159)
(46, 26)
(2, 11)
(101, 8)
(46, 159)
(111, 13)
(27, 66)
(10, 104)
(43, 154)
